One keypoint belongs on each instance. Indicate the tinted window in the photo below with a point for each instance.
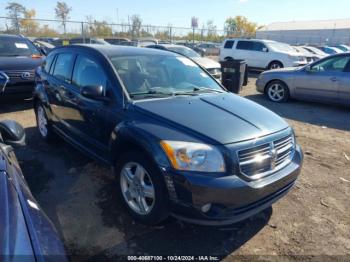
(48, 61)
(245, 45)
(257, 46)
(337, 63)
(63, 67)
(88, 73)
(229, 44)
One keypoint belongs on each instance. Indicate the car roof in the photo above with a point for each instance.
(251, 39)
(113, 50)
(11, 36)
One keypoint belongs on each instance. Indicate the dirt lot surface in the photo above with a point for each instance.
(78, 194)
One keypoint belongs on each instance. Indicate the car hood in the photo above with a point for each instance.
(19, 63)
(206, 62)
(222, 118)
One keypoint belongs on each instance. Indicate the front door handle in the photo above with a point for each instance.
(334, 79)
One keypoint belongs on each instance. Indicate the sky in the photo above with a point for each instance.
(179, 12)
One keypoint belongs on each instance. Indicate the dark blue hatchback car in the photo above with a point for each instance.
(178, 142)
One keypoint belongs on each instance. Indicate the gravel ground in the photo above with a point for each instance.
(312, 222)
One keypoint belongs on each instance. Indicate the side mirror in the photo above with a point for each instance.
(265, 50)
(12, 133)
(94, 92)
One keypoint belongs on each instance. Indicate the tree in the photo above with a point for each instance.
(62, 12)
(240, 26)
(15, 12)
(28, 25)
(136, 24)
(98, 28)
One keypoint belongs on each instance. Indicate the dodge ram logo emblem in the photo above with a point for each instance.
(25, 75)
(273, 155)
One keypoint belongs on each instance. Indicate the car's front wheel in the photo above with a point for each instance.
(141, 188)
(275, 65)
(277, 91)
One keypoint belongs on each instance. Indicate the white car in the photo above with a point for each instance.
(261, 54)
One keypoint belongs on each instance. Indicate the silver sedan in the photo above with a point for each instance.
(327, 80)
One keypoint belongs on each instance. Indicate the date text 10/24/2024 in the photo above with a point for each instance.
(173, 258)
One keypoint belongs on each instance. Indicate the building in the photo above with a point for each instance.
(321, 32)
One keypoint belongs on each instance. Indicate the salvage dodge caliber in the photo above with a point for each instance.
(178, 142)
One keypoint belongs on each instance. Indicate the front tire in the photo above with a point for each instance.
(141, 188)
(277, 91)
(275, 65)
(44, 127)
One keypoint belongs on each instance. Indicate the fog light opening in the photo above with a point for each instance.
(205, 208)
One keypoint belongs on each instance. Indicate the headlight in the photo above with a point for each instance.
(189, 156)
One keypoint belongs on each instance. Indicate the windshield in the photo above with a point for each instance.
(162, 75)
(17, 47)
(276, 46)
(315, 50)
(184, 51)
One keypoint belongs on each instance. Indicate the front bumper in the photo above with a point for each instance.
(19, 88)
(260, 84)
(233, 199)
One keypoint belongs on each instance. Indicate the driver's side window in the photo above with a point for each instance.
(333, 64)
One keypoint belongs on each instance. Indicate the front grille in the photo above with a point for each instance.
(16, 75)
(262, 160)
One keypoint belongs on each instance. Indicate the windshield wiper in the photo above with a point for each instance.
(151, 93)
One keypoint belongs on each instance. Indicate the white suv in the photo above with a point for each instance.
(261, 54)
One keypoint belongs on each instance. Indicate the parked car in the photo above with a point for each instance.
(315, 51)
(327, 80)
(179, 143)
(343, 48)
(207, 49)
(330, 50)
(79, 40)
(117, 41)
(26, 232)
(310, 57)
(18, 60)
(261, 54)
(213, 67)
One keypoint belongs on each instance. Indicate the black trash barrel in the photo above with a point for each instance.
(234, 75)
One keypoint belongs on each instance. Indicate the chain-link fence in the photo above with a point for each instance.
(98, 29)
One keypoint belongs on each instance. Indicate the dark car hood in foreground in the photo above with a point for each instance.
(19, 63)
(225, 118)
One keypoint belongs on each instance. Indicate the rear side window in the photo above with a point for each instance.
(63, 67)
(245, 45)
(229, 44)
(257, 46)
(88, 73)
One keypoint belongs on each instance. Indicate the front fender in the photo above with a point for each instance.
(129, 135)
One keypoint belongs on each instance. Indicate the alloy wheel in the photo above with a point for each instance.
(276, 92)
(137, 188)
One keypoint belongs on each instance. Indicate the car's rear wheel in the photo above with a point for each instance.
(43, 124)
(277, 91)
(141, 188)
(275, 65)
